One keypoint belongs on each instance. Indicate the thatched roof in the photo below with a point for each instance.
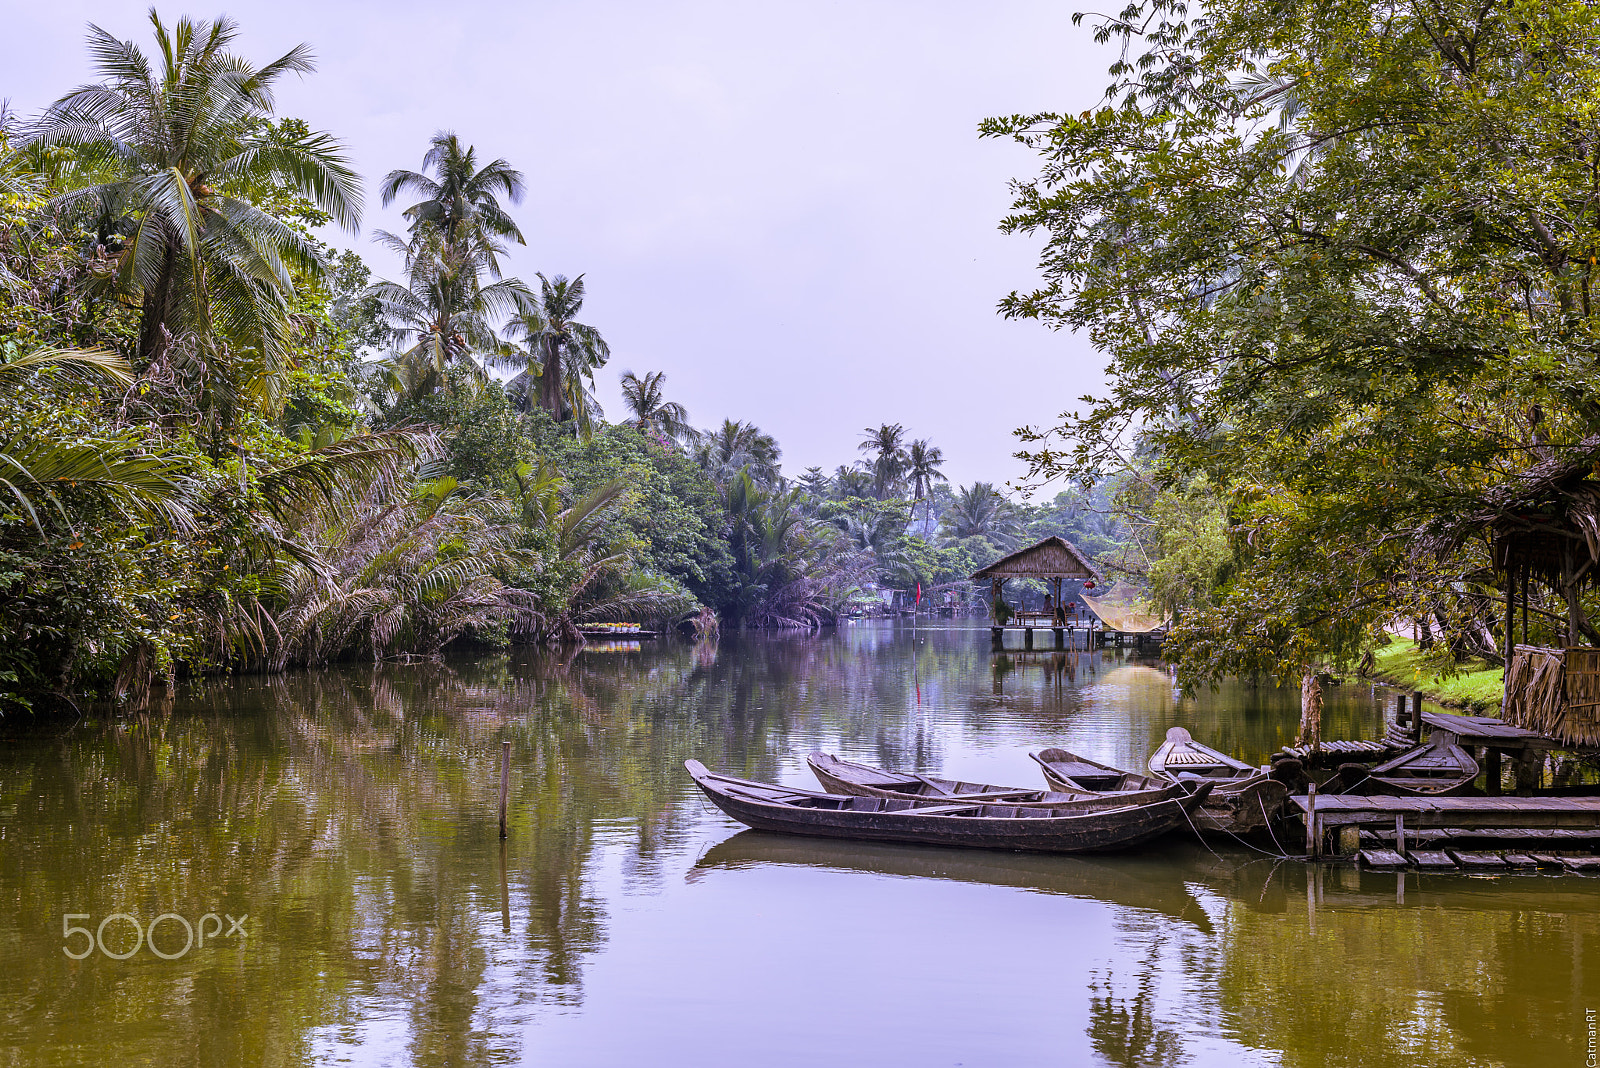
(1535, 516)
(1051, 558)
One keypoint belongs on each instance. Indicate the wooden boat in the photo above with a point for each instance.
(1180, 754)
(1235, 806)
(975, 824)
(1431, 769)
(862, 780)
(1152, 880)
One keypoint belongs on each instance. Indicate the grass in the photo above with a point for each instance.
(1478, 686)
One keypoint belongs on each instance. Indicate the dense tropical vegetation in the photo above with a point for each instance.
(1341, 254)
(224, 445)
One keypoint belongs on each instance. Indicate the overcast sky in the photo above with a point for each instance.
(785, 207)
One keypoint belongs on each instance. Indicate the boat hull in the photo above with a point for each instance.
(1234, 806)
(1004, 827)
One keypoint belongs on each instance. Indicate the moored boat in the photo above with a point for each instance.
(1180, 754)
(973, 824)
(863, 780)
(1432, 769)
(1235, 806)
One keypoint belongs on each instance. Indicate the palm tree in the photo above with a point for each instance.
(889, 463)
(734, 447)
(979, 511)
(461, 200)
(651, 410)
(174, 149)
(563, 352)
(446, 307)
(922, 468)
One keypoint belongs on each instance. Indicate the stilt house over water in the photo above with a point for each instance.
(1545, 525)
(1052, 561)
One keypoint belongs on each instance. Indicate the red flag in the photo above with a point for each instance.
(919, 593)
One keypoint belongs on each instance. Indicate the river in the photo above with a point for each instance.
(333, 836)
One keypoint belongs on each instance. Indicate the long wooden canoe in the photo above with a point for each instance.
(863, 780)
(1433, 769)
(1235, 806)
(974, 824)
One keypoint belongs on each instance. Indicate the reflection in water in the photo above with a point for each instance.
(351, 814)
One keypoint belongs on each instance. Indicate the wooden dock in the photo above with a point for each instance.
(1344, 816)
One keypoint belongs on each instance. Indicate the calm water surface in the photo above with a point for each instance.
(350, 815)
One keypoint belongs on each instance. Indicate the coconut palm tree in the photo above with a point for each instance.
(733, 447)
(563, 352)
(889, 461)
(651, 410)
(923, 461)
(979, 511)
(175, 147)
(446, 307)
(461, 200)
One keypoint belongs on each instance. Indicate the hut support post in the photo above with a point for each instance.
(1416, 718)
(1511, 611)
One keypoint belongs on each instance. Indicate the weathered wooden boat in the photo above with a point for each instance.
(1149, 880)
(974, 824)
(1435, 768)
(1180, 754)
(1235, 806)
(863, 780)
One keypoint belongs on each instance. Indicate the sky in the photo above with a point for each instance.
(783, 206)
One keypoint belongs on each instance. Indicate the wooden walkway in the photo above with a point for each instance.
(1481, 730)
(1336, 813)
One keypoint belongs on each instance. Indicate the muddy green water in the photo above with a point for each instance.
(349, 815)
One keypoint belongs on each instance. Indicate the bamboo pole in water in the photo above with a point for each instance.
(505, 783)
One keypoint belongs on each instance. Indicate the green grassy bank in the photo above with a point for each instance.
(1477, 686)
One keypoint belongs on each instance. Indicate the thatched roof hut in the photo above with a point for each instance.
(1053, 560)
(1545, 524)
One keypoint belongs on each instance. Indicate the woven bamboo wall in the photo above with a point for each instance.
(1555, 692)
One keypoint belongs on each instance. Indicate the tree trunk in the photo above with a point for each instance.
(153, 315)
(551, 395)
(1310, 711)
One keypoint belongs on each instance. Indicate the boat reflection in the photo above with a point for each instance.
(1147, 881)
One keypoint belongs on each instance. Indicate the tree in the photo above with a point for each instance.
(563, 352)
(652, 412)
(889, 459)
(733, 447)
(923, 461)
(177, 149)
(1339, 254)
(461, 200)
(978, 511)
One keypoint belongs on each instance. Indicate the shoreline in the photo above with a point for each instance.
(1476, 688)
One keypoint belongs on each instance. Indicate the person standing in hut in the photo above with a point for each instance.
(1049, 608)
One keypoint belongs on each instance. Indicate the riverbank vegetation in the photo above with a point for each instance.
(225, 445)
(1341, 256)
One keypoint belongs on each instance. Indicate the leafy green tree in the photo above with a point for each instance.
(734, 447)
(1340, 255)
(176, 148)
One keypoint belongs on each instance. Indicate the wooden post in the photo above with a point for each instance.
(1027, 637)
(1400, 834)
(1491, 772)
(1400, 710)
(1416, 718)
(505, 783)
(1313, 839)
(997, 640)
(1511, 610)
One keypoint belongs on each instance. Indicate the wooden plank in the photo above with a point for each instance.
(1478, 861)
(1431, 861)
(1581, 864)
(1547, 860)
(1381, 858)
(1520, 860)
